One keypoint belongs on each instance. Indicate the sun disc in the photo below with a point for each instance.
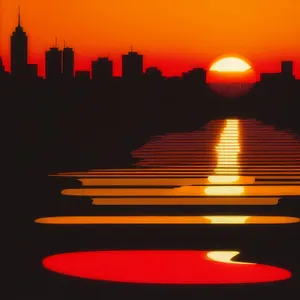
(230, 64)
(231, 76)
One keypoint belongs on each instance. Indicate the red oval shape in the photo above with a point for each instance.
(160, 267)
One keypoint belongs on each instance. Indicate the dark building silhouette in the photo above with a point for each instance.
(3, 74)
(287, 69)
(102, 69)
(196, 74)
(53, 63)
(77, 126)
(285, 74)
(270, 77)
(68, 63)
(32, 71)
(132, 65)
(19, 51)
(85, 75)
(153, 73)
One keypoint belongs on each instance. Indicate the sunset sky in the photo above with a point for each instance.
(173, 35)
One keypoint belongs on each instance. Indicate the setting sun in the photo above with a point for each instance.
(231, 76)
(230, 64)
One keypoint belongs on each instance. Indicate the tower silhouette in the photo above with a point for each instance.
(53, 62)
(132, 65)
(68, 63)
(19, 50)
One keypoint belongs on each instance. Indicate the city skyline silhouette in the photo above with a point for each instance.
(177, 63)
(61, 63)
(136, 172)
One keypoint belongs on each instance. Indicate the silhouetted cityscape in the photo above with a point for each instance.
(79, 120)
(59, 64)
(139, 102)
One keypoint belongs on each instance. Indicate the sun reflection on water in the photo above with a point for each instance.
(227, 162)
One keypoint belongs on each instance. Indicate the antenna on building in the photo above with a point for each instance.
(131, 48)
(56, 41)
(19, 16)
(64, 44)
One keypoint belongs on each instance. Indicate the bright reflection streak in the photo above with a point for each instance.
(224, 171)
(227, 149)
(229, 158)
(224, 190)
(227, 145)
(228, 134)
(225, 257)
(228, 219)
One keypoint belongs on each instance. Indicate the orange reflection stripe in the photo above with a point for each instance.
(186, 201)
(275, 191)
(155, 181)
(167, 220)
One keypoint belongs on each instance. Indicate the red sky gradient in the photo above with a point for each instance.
(173, 35)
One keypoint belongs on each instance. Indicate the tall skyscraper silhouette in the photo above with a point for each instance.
(19, 50)
(102, 69)
(132, 65)
(53, 63)
(68, 63)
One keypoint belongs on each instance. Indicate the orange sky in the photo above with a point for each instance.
(174, 35)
